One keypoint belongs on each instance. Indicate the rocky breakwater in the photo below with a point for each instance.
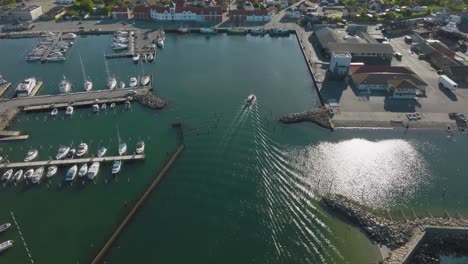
(319, 116)
(150, 100)
(7, 117)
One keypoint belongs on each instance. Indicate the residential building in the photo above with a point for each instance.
(120, 13)
(248, 6)
(398, 82)
(26, 13)
(212, 14)
(257, 15)
(142, 12)
(292, 13)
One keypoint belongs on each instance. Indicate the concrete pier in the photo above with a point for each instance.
(69, 161)
(4, 88)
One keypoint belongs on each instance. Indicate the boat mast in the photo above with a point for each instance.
(82, 69)
(118, 134)
(107, 68)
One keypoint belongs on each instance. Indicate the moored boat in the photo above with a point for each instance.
(82, 149)
(54, 112)
(122, 148)
(65, 85)
(37, 175)
(95, 108)
(101, 152)
(7, 175)
(116, 167)
(236, 31)
(258, 31)
(83, 170)
(28, 174)
(18, 177)
(140, 147)
(71, 173)
(51, 171)
(69, 110)
(111, 83)
(62, 152)
(4, 227)
(69, 36)
(25, 87)
(183, 30)
(150, 57)
(279, 32)
(93, 170)
(145, 80)
(71, 153)
(208, 30)
(6, 245)
(136, 57)
(31, 155)
(133, 82)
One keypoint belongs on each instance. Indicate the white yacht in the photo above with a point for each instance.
(83, 170)
(93, 170)
(7, 175)
(145, 80)
(136, 57)
(122, 85)
(250, 99)
(111, 83)
(69, 110)
(71, 154)
(51, 171)
(82, 149)
(121, 33)
(122, 148)
(55, 58)
(18, 177)
(160, 42)
(150, 57)
(28, 174)
(2, 81)
(31, 155)
(65, 85)
(88, 85)
(4, 227)
(133, 82)
(140, 147)
(69, 36)
(6, 245)
(62, 152)
(119, 46)
(95, 108)
(104, 106)
(37, 175)
(25, 87)
(71, 174)
(101, 152)
(54, 112)
(112, 105)
(116, 166)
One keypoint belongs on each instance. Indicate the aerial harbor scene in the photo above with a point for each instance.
(233, 131)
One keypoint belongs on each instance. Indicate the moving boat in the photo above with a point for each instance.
(83, 170)
(101, 152)
(51, 171)
(93, 170)
(28, 174)
(95, 108)
(122, 85)
(82, 149)
(183, 30)
(208, 30)
(251, 99)
(25, 87)
(54, 112)
(133, 82)
(71, 154)
(65, 85)
(62, 152)
(136, 57)
(18, 177)
(6, 245)
(87, 85)
(31, 155)
(69, 110)
(140, 147)
(37, 175)
(7, 175)
(111, 83)
(4, 227)
(71, 174)
(145, 80)
(116, 166)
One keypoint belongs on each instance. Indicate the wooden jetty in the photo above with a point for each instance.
(126, 220)
(131, 48)
(58, 37)
(3, 88)
(36, 88)
(69, 161)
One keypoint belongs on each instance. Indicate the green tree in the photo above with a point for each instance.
(407, 12)
(390, 15)
(84, 5)
(429, 11)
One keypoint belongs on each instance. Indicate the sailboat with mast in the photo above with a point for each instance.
(145, 78)
(111, 81)
(87, 85)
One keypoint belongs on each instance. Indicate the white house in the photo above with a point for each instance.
(197, 14)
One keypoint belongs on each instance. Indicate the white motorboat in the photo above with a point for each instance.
(136, 57)
(119, 46)
(93, 170)
(111, 83)
(112, 105)
(103, 106)
(69, 110)
(25, 87)
(18, 177)
(150, 57)
(54, 112)
(121, 33)
(120, 40)
(250, 99)
(32, 58)
(83, 170)
(101, 152)
(145, 80)
(116, 166)
(122, 148)
(183, 30)
(82, 149)
(160, 42)
(4, 227)
(71, 174)
(133, 82)
(7, 175)
(140, 147)
(31, 155)
(2, 81)
(56, 58)
(122, 85)
(95, 108)
(88, 85)
(71, 154)
(6, 245)
(51, 171)
(62, 152)
(28, 174)
(65, 85)
(37, 175)
(208, 30)
(69, 36)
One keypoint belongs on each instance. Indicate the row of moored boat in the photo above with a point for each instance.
(7, 244)
(45, 41)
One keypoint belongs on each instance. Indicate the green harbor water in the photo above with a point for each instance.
(244, 190)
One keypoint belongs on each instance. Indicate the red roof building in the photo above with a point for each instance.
(120, 13)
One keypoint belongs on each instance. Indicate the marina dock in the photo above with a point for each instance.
(58, 37)
(69, 161)
(4, 88)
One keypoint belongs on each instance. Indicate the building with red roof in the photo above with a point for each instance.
(120, 13)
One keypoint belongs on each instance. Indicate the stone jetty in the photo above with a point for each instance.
(398, 235)
(7, 117)
(150, 100)
(320, 116)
